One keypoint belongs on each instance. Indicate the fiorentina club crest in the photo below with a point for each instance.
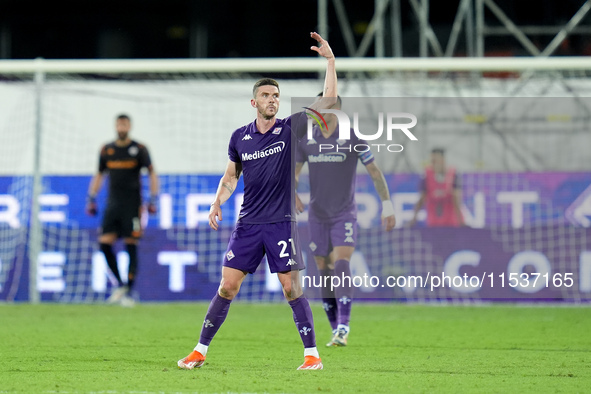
(230, 255)
(305, 330)
(313, 246)
(277, 130)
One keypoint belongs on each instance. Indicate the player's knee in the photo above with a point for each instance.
(225, 293)
(229, 288)
(322, 263)
(292, 290)
(107, 238)
(343, 254)
(287, 290)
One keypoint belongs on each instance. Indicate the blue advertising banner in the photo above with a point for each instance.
(519, 223)
(490, 199)
(542, 263)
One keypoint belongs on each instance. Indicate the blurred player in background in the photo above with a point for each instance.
(123, 160)
(262, 152)
(440, 193)
(333, 213)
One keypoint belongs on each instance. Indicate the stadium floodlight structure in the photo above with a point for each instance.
(55, 114)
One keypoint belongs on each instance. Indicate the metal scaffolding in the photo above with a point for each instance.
(470, 17)
(478, 20)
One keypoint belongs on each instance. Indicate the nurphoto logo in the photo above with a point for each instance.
(392, 121)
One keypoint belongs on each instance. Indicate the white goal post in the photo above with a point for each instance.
(566, 63)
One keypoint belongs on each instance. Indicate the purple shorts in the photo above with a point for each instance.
(250, 242)
(324, 236)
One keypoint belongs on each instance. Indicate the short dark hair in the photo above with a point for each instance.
(264, 82)
(339, 101)
(441, 151)
(123, 117)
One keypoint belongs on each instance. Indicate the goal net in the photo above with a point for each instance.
(525, 186)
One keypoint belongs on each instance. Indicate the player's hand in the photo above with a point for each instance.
(389, 222)
(152, 205)
(91, 206)
(299, 205)
(215, 214)
(323, 48)
(388, 218)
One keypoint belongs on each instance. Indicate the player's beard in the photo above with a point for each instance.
(122, 135)
(264, 113)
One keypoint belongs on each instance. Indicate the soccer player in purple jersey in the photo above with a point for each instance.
(333, 213)
(262, 152)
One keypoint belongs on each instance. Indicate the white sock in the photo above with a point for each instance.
(311, 351)
(343, 327)
(201, 348)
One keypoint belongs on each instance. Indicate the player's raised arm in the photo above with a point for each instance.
(225, 189)
(388, 218)
(329, 92)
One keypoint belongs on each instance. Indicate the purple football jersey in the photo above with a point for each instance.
(267, 167)
(332, 173)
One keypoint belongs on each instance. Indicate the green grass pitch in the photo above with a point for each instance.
(392, 348)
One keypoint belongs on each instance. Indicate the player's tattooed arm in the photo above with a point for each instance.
(379, 181)
(228, 183)
(226, 187)
(388, 218)
(231, 186)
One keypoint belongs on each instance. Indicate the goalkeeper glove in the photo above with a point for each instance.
(91, 207)
(152, 207)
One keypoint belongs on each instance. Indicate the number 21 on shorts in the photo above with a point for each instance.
(283, 245)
